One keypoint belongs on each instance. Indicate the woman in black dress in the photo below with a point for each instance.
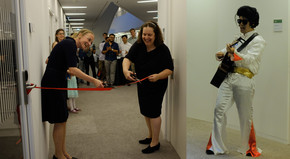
(62, 60)
(153, 60)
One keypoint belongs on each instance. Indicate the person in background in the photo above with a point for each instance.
(111, 51)
(124, 49)
(63, 60)
(102, 69)
(133, 37)
(81, 65)
(105, 35)
(132, 40)
(89, 61)
(96, 57)
(153, 60)
(239, 87)
(59, 36)
(72, 94)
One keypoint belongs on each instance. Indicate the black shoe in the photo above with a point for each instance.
(145, 141)
(54, 157)
(249, 154)
(150, 149)
(209, 152)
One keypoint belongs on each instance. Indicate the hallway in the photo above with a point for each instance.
(109, 127)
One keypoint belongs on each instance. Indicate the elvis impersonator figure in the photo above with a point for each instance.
(239, 87)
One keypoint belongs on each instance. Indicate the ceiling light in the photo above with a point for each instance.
(148, 1)
(74, 7)
(77, 27)
(75, 13)
(155, 17)
(76, 20)
(152, 11)
(76, 23)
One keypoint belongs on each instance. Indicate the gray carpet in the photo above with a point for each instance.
(198, 133)
(109, 127)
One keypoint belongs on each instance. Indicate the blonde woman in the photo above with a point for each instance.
(63, 60)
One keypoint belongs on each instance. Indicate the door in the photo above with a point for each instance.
(13, 122)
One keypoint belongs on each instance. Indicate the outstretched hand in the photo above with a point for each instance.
(98, 84)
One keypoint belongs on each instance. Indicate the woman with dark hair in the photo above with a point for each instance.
(62, 60)
(153, 60)
(239, 85)
(59, 36)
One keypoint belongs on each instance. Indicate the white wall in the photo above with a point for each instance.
(172, 16)
(210, 26)
(36, 51)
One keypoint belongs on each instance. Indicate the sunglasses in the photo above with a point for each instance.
(245, 21)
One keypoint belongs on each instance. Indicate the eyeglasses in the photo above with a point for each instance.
(244, 21)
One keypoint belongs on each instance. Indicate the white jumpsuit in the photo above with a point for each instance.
(239, 89)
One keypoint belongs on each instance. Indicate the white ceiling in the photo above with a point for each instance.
(95, 8)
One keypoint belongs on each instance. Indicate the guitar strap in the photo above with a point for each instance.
(247, 42)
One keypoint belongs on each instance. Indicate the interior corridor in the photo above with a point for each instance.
(109, 126)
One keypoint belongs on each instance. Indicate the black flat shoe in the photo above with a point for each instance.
(209, 152)
(145, 141)
(54, 157)
(150, 149)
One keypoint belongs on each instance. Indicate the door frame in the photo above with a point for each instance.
(21, 67)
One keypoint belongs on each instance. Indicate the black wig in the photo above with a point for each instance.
(250, 13)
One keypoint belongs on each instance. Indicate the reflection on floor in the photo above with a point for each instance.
(198, 133)
(109, 127)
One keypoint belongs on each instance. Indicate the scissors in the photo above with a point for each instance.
(135, 77)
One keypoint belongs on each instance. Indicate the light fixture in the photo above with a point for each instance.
(74, 7)
(148, 1)
(76, 20)
(75, 13)
(155, 17)
(77, 27)
(76, 23)
(152, 11)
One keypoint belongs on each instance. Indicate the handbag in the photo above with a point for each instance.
(227, 65)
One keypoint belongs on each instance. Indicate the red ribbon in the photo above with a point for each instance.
(79, 89)
(82, 89)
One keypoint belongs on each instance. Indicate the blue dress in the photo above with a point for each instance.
(72, 83)
(54, 102)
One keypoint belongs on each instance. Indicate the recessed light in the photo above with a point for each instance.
(77, 27)
(76, 20)
(76, 23)
(75, 13)
(74, 7)
(152, 11)
(148, 1)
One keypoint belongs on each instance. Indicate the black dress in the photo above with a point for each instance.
(54, 105)
(150, 94)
